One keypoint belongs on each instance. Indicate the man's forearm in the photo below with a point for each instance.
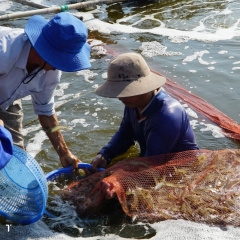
(56, 138)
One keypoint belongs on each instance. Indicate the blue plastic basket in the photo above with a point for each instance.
(23, 189)
(64, 172)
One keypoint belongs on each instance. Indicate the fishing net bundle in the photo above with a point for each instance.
(199, 185)
(229, 127)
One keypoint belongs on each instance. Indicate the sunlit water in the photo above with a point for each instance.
(195, 43)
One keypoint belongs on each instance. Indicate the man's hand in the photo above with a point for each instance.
(69, 159)
(1, 123)
(98, 162)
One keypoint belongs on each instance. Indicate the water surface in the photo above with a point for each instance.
(195, 43)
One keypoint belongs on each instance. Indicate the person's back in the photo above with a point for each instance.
(165, 129)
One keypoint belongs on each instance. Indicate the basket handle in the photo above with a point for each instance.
(69, 170)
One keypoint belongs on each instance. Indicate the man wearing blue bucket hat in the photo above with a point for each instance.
(31, 64)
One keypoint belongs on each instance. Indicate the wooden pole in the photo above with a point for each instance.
(56, 9)
(38, 5)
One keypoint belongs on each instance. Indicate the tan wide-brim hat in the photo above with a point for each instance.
(129, 75)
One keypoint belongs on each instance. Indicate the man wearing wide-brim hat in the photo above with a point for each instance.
(158, 122)
(31, 62)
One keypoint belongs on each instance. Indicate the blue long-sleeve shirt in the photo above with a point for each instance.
(165, 128)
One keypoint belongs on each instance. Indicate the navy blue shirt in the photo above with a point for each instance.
(165, 128)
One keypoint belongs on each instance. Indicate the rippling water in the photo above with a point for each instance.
(195, 43)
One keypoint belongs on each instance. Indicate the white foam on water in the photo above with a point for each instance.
(179, 39)
(60, 89)
(59, 103)
(99, 50)
(216, 131)
(87, 74)
(194, 34)
(194, 56)
(94, 42)
(98, 103)
(96, 47)
(222, 52)
(104, 75)
(194, 123)
(32, 128)
(5, 5)
(66, 96)
(95, 86)
(151, 49)
(34, 145)
(165, 230)
(191, 113)
(236, 68)
(211, 68)
(81, 121)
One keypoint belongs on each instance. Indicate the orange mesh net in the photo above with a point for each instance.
(199, 185)
(230, 128)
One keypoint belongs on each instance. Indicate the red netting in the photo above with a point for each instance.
(200, 185)
(230, 128)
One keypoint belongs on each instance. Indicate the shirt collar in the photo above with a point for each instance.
(152, 105)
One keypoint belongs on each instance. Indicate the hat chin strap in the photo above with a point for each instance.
(32, 75)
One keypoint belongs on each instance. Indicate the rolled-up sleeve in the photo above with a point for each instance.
(43, 101)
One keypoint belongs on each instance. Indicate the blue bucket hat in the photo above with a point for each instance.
(61, 42)
(6, 147)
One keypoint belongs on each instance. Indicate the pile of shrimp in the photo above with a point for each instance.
(201, 186)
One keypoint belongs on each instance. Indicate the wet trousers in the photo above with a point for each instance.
(13, 118)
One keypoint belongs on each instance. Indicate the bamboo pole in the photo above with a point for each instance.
(38, 5)
(56, 9)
